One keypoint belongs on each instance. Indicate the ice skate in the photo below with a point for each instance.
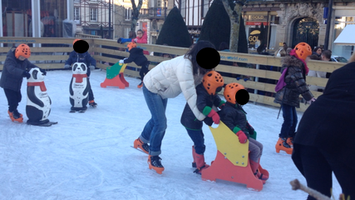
(200, 162)
(138, 144)
(92, 103)
(289, 141)
(154, 163)
(282, 145)
(15, 116)
(140, 85)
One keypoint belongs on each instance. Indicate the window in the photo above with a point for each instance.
(182, 8)
(76, 13)
(128, 14)
(204, 8)
(93, 14)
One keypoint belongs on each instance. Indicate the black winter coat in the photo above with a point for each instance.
(204, 99)
(295, 80)
(233, 115)
(12, 73)
(81, 57)
(136, 55)
(329, 122)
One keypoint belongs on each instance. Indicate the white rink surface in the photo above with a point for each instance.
(88, 156)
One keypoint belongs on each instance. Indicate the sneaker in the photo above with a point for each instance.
(142, 146)
(140, 85)
(15, 116)
(154, 163)
(92, 103)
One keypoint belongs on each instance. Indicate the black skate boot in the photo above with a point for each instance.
(154, 163)
(138, 144)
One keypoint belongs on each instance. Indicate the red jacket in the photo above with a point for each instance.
(142, 40)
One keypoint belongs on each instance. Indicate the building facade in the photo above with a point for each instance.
(281, 21)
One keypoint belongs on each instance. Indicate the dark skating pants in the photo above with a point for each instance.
(13, 98)
(290, 121)
(91, 94)
(198, 139)
(317, 167)
(144, 70)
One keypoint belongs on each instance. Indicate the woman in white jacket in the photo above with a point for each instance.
(168, 80)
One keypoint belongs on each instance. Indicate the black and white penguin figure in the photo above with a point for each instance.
(38, 105)
(79, 88)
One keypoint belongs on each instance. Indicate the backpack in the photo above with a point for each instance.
(281, 82)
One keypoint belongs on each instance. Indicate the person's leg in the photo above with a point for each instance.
(13, 99)
(154, 130)
(198, 140)
(91, 94)
(345, 175)
(316, 170)
(288, 120)
(292, 129)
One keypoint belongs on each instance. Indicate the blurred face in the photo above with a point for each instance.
(319, 51)
(139, 34)
(21, 58)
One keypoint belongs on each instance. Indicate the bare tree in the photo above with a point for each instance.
(135, 13)
(234, 10)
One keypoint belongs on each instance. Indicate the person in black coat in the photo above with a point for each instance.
(234, 117)
(136, 55)
(207, 102)
(325, 137)
(90, 62)
(16, 67)
(288, 96)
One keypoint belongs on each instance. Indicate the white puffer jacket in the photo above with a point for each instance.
(171, 77)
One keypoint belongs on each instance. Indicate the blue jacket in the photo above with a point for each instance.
(12, 74)
(81, 57)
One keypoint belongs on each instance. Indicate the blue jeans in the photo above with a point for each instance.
(154, 130)
(198, 139)
(290, 121)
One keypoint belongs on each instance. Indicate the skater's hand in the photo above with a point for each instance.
(215, 116)
(311, 101)
(135, 40)
(242, 137)
(121, 61)
(26, 74)
(66, 66)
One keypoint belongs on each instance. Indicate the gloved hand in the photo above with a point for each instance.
(121, 61)
(92, 67)
(66, 66)
(43, 71)
(223, 103)
(119, 40)
(135, 40)
(215, 116)
(26, 74)
(242, 137)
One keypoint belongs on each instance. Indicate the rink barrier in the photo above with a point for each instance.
(54, 52)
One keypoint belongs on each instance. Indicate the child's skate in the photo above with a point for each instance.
(282, 145)
(15, 116)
